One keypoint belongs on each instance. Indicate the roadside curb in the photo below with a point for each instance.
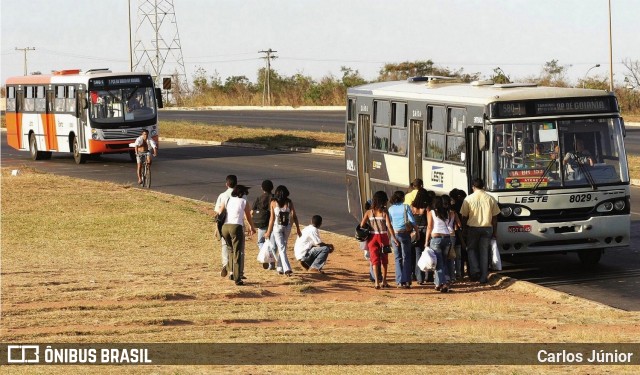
(256, 146)
(529, 287)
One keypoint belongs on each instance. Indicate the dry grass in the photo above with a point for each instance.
(272, 138)
(87, 261)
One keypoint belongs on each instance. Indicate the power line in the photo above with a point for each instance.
(25, 49)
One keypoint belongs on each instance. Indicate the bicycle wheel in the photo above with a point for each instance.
(146, 180)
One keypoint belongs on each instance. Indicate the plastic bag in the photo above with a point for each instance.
(496, 262)
(428, 260)
(265, 255)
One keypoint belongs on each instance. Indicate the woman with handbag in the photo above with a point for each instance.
(377, 219)
(403, 224)
(237, 210)
(281, 220)
(439, 239)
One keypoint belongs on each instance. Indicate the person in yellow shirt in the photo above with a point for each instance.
(480, 215)
(410, 196)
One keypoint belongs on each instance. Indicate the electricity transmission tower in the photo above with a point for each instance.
(267, 84)
(157, 47)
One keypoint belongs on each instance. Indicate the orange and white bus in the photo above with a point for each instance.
(86, 113)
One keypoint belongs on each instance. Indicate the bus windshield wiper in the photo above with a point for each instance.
(586, 173)
(541, 178)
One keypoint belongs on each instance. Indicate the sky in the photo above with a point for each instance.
(317, 37)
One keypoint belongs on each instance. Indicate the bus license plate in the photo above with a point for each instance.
(519, 229)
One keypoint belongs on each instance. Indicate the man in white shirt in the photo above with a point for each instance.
(309, 249)
(231, 183)
(142, 145)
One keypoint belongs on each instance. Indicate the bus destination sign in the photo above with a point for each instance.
(573, 106)
(553, 107)
(119, 82)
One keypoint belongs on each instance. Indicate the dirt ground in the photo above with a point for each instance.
(72, 280)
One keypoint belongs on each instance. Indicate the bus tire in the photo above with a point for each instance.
(33, 148)
(590, 258)
(77, 156)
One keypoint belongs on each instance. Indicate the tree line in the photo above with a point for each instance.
(301, 90)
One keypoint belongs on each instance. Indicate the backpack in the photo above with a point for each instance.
(261, 211)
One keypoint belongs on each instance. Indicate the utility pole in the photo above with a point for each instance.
(267, 83)
(25, 56)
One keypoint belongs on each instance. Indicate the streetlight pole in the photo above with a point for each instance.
(610, 52)
(130, 43)
(587, 73)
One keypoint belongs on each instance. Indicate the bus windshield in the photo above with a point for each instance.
(556, 154)
(119, 105)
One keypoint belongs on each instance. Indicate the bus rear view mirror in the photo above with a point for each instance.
(624, 129)
(483, 140)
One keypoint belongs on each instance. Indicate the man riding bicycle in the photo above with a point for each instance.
(142, 145)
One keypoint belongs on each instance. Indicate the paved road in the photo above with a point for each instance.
(327, 121)
(317, 186)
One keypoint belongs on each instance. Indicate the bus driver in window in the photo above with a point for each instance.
(572, 159)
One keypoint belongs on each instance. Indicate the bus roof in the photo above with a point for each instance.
(481, 93)
(67, 76)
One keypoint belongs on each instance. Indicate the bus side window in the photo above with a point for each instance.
(11, 99)
(434, 138)
(30, 100)
(60, 104)
(41, 104)
(381, 113)
(71, 99)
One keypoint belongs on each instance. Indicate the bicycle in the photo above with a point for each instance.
(146, 170)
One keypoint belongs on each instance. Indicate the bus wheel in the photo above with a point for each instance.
(590, 258)
(77, 156)
(33, 148)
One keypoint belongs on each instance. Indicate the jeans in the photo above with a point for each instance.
(458, 262)
(316, 257)
(403, 256)
(450, 264)
(478, 243)
(281, 236)
(439, 246)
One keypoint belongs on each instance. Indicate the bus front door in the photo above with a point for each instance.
(364, 126)
(415, 150)
(473, 156)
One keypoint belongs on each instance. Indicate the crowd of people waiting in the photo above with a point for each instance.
(458, 228)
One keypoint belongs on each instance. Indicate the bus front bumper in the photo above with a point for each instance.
(518, 237)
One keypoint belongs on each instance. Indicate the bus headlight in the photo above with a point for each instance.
(517, 211)
(506, 211)
(154, 133)
(605, 207)
(619, 205)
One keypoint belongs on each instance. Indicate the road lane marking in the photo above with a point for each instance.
(320, 170)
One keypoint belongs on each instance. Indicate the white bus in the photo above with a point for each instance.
(553, 158)
(85, 113)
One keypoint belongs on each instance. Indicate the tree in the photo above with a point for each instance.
(553, 74)
(351, 77)
(633, 74)
(499, 76)
(406, 69)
